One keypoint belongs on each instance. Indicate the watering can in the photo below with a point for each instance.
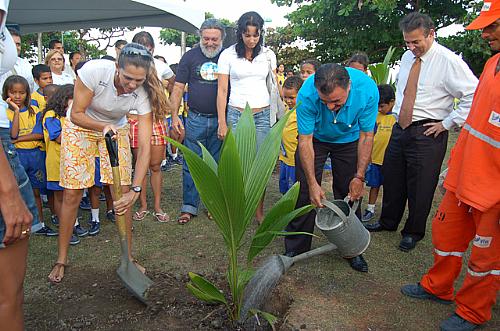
(340, 225)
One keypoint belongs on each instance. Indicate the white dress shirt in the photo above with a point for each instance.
(21, 68)
(444, 76)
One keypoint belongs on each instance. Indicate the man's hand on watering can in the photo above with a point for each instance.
(316, 194)
(356, 188)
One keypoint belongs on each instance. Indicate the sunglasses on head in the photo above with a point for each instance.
(131, 50)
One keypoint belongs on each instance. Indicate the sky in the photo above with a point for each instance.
(232, 10)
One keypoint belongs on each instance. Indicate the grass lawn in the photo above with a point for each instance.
(326, 293)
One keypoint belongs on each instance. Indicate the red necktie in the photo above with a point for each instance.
(409, 95)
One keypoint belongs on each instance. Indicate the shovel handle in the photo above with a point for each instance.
(112, 147)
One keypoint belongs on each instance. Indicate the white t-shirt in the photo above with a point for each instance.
(248, 79)
(107, 106)
(22, 68)
(163, 70)
(8, 57)
(62, 79)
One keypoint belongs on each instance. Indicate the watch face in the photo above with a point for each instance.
(136, 189)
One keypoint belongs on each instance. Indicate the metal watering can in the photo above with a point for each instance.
(340, 225)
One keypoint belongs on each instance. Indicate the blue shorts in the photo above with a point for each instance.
(54, 186)
(287, 177)
(22, 180)
(97, 176)
(33, 162)
(374, 176)
(262, 122)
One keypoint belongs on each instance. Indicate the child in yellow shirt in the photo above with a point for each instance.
(289, 140)
(383, 129)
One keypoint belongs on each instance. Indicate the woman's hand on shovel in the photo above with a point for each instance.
(126, 201)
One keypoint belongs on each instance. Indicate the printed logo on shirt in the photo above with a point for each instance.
(103, 83)
(208, 71)
(495, 119)
(486, 6)
(482, 242)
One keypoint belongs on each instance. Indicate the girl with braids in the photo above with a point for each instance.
(104, 93)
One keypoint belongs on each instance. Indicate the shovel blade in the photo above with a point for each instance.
(134, 280)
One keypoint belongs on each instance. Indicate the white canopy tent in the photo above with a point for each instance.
(62, 15)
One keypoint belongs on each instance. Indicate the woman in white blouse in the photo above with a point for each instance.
(55, 60)
(246, 66)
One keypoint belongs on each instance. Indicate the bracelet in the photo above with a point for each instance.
(361, 178)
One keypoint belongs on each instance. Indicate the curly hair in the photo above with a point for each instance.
(60, 100)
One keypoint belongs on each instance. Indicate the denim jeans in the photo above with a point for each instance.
(261, 119)
(199, 128)
(22, 181)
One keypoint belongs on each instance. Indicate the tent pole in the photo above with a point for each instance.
(40, 46)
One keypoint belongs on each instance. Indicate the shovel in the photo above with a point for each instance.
(269, 274)
(133, 279)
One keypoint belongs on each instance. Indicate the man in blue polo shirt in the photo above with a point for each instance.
(336, 113)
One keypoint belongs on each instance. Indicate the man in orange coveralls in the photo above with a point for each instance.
(470, 210)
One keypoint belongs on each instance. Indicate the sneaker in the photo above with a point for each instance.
(368, 215)
(167, 166)
(46, 231)
(94, 229)
(179, 160)
(74, 240)
(85, 203)
(110, 215)
(54, 220)
(80, 231)
(457, 323)
(418, 292)
(102, 197)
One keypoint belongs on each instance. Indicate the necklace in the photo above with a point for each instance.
(335, 114)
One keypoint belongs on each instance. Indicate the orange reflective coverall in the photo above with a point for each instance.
(470, 210)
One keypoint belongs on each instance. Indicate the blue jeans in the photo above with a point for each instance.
(22, 180)
(261, 119)
(199, 128)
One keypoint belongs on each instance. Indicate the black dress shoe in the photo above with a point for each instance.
(407, 243)
(375, 227)
(358, 263)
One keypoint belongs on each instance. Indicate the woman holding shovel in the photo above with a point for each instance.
(104, 93)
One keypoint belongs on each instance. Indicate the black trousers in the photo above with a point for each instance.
(412, 163)
(344, 165)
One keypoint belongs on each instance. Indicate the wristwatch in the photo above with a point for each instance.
(137, 189)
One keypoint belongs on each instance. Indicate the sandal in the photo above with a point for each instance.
(161, 217)
(184, 218)
(209, 216)
(140, 215)
(56, 276)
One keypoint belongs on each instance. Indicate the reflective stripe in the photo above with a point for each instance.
(482, 136)
(443, 253)
(482, 274)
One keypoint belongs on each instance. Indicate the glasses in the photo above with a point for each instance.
(55, 59)
(131, 50)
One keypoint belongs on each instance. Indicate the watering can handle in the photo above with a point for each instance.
(354, 205)
(336, 209)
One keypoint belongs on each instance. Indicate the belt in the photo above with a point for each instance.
(202, 114)
(422, 122)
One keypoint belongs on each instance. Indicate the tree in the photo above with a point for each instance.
(281, 41)
(81, 40)
(172, 36)
(339, 28)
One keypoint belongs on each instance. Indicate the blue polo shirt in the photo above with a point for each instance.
(358, 113)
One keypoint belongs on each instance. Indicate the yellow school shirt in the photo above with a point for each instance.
(289, 140)
(383, 130)
(281, 79)
(53, 159)
(38, 100)
(27, 125)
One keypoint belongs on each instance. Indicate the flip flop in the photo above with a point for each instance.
(209, 216)
(140, 215)
(162, 217)
(57, 279)
(184, 218)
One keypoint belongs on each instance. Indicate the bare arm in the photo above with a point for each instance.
(14, 130)
(171, 84)
(365, 145)
(306, 151)
(222, 87)
(16, 215)
(82, 99)
(175, 100)
(29, 137)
